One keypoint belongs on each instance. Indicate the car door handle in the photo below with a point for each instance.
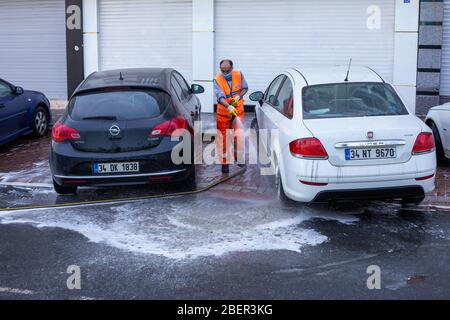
(2, 105)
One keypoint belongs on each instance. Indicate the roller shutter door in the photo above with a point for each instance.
(146, 33)
(33, 45)
(266, 37)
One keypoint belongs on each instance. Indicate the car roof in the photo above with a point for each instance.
(441, 107)
(158, 78)
(322, 74)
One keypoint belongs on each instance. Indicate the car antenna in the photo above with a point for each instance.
(348, 70)
(121, 77)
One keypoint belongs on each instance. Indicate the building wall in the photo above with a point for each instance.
(445, 61)
(405, 52)
(32, 45)
(430, 49)
(409, 36)
(203, 40)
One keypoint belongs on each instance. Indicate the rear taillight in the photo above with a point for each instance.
(61, 133)
(424, 143)
(316, 184)
(308, 148)
(425, 178)
(168, 127)
(76, 181)
(115, 89)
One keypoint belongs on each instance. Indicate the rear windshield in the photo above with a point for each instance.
(123, 104)
(351, 100)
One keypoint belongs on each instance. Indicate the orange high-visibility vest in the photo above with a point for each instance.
(236, 87)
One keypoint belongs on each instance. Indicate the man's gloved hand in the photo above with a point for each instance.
(233, 111)
(235, 100)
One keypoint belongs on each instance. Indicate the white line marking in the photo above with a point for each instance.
(434, 206)
(328, 265)
(14, 290)
(440, 207)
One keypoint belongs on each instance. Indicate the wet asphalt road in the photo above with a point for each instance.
(221, 245)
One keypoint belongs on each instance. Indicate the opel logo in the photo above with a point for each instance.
(114, 130)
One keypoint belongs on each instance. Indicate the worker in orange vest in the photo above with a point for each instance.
(230, 87)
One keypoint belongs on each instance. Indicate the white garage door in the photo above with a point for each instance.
(266, 37)
(146, 33)
(445, 65)
(33, 45)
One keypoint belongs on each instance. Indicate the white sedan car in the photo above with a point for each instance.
(438, 118)
(344, 136)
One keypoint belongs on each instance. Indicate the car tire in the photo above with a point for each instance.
(412, 201)
(40, 122)
(280, 191)
(63, 190)
(440, 155)
(254, 125)
(191, 181)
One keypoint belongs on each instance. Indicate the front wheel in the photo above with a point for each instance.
(254, 125)
(40, 122)
(280, 190)
(63, 190)
(439, 148)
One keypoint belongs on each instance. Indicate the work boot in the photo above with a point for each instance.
(225, 168)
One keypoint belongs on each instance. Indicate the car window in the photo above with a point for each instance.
(286, 99)
(121, 104)
(271, 93)
(186, 91)
(177, 88)
(5, 90)
(351, 100)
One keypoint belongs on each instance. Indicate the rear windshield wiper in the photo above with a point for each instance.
(100, 118)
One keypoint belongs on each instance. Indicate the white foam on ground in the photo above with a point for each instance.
(186, 228)
(16, 291)
(39, 173)
(27, 186)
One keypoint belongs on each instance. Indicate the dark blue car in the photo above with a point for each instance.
(22, 112)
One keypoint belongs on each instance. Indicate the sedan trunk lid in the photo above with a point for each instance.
(340, 135)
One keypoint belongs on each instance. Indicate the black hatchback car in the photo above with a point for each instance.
(117, 130)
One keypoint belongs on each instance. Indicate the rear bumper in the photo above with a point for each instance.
(318, 180)
(409, 188)
(123, 179)
(71, 167)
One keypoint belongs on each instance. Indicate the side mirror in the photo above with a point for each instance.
(257, 96)
(18, 90)
(197, 89)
